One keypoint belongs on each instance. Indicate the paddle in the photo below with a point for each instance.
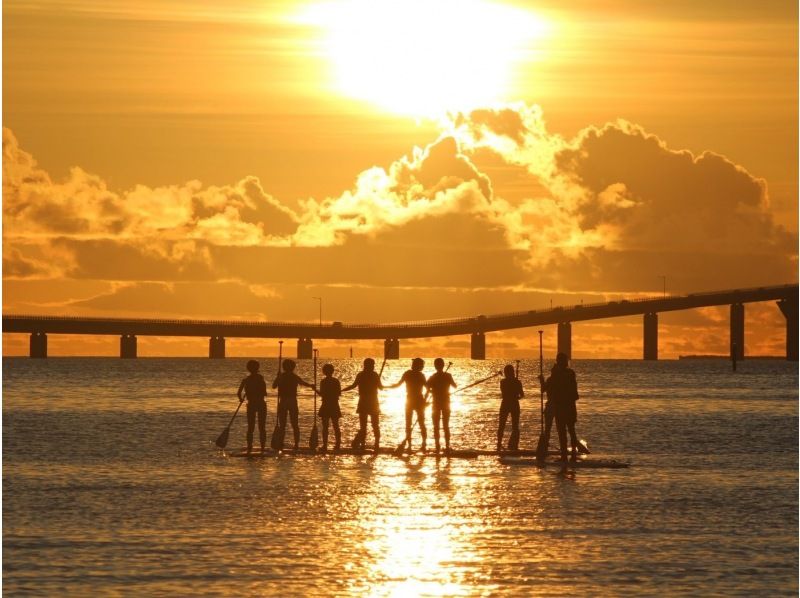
(361, 435)
(276, 442)
(402, 446)
(513, 439)
(481, 381)
(222, 439)
(314, 440)
(541, 447)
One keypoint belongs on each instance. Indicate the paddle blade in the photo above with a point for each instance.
(583, 448)
(276, 442)
(314, 440)
(222, 439)
(358, 440)
(400, 448)
(541, 449)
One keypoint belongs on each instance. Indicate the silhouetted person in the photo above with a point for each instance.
(287, 382)
(415, 399)
(562, 391)
(368, 383)
(439, 385)
(329, 389)
(255, 390)
(511, 391)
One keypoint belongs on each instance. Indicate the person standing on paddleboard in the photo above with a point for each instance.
(330, 389)
(562, 393)
(368, 383)
(511, 391)
(287, 382)
(255, 390)
(415, 399)
(439, 385)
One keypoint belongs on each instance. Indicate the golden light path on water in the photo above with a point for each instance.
(419, 544)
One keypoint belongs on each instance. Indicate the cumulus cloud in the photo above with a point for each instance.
(615, 202)
(83, 207)
(661, 198)
(431, 182)
(603, 210)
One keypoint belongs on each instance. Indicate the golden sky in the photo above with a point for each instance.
(402, 160)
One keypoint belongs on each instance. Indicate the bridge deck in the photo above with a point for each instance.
(419, 329)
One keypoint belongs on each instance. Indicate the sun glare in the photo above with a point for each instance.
(425, 57)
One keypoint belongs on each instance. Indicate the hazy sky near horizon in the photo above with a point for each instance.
(403, 160)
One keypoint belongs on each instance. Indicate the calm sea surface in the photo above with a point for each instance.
(112, 485)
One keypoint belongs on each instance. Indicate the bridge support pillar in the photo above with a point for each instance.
(305, 348)
(127, 346)
(565, 338)
(216, 347)
(477, 345)
(650, 337)
(38, 345)
(391, 348)
(737, 331)
(788, 308)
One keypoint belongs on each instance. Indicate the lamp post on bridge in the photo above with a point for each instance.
(320, 309)
(664, 279)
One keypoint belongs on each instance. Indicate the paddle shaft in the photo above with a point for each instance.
(481, 381)
(541, 373)
(222, 439)
(278, 397)
(239, 406)
(316, 351)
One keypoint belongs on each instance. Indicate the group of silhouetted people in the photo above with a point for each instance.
(560, 386)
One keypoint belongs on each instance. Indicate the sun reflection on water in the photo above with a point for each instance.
(416, 534)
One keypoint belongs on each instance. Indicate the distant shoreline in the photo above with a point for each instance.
(747, 358)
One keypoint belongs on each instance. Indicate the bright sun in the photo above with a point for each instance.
(425, 57)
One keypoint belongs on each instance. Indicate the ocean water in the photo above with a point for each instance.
(112, 485)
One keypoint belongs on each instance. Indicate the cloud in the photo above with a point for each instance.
(655, 197)
(431, 182)
(615, 204)
(496, 200)
(83, 207)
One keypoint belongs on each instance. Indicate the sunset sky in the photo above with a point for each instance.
(402, 160)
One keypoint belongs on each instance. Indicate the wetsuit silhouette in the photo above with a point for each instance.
(368, 383)
(562, 393)
(287, 382)
(439, 385)
(255, 389)
(511, 391)
(330, 388)
(415, 382)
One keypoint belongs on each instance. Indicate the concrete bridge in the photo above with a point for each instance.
(477, 327)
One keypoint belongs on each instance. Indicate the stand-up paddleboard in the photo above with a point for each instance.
(307, 452)
(453, 453)
(580, 463)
